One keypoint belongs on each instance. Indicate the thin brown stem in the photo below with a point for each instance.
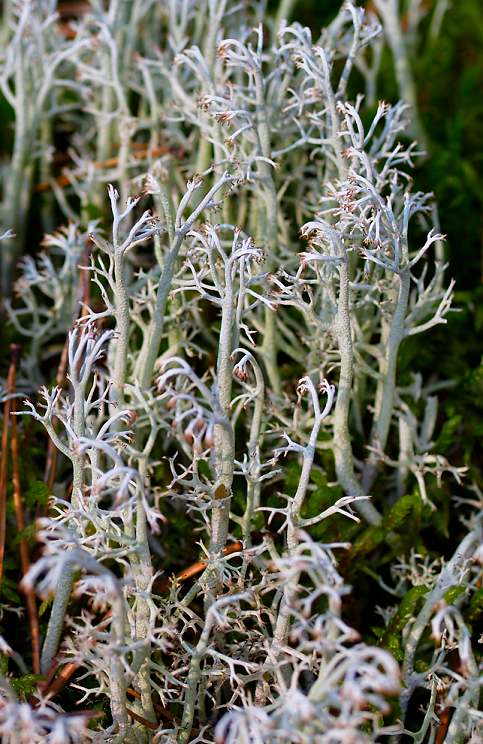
(19, 515)
(4, 464)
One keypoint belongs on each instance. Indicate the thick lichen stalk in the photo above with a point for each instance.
(221, 510)
(268, 208)
(141, 564)
(123, 325)
(342, 445)
(224, 434)
(64, 588)
(254, 443)
(386, 386)
(163, 205)
(117, 679)
(152, 341)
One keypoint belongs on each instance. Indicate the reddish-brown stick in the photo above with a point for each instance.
(19, 515)
(195, 568)
(109, 163)
(7, 407)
